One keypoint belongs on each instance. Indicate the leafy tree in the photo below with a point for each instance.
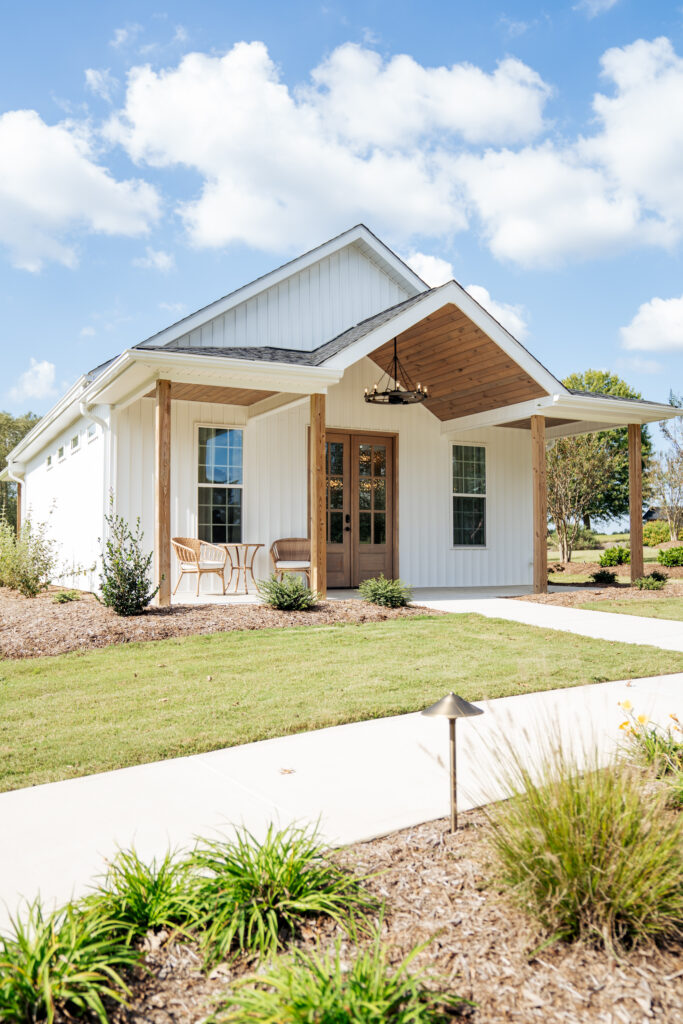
(673, 429)
(667, 489)
(12, 429)
(612, 499)
(577, 468)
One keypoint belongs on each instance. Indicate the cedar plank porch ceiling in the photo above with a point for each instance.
(465, 371)
(209, 393)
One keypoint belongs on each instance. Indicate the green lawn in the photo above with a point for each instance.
(75, 714)
(652, 607)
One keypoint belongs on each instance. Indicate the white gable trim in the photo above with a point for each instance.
(451, 292)
(369, 245)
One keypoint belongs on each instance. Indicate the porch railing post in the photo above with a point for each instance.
(540, 504)
(162, 491)
(635, 486)
(318, 525)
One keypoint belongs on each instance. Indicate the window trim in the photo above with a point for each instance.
(61, 453)
(91, 432)
(217, 426)
(452, 494)
(73, 448)
(48, 461)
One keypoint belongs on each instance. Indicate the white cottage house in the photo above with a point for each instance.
(247, 421)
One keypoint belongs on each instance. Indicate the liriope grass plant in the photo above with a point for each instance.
(63, 963)
(592, 854)
(135, 897)
(323, 987)
(253, 896)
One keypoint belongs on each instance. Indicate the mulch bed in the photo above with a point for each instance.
(33, 627)
(622, 592)
(436, 887)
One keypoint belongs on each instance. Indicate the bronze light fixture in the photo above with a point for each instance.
(453, 707)
(403, 391)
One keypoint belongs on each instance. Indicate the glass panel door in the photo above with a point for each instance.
(372, 494)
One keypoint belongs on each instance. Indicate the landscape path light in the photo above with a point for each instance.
(453, 707)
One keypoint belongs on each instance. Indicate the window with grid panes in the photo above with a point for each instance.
(220, 485)
(469, 495)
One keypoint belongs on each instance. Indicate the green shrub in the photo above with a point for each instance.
(65, 596)
(322, 987)
(654, 746)
(615, 556)
(28, 563)
(289, 594)
(587, 540)
(384, 592)
(61, 963)
(589, 854)
(125, 579)
(253, 896)
(656, 532)
(670, 556)
(657, 574)
(135, 898)
(604, 577)
(649, 583)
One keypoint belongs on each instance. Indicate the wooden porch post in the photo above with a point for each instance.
(18, 510)
(635, 485)
(540, 504)
(162, 491)
(318, 504)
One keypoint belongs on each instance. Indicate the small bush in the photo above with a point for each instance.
(125, 580)
(590, 855)
(323, 987)
(615, 556)
(649, 583)
(604, 577)
(65, 596)
(135, 898)
(60, 963)
(253, 896)
(657, 574)
(587, 540)
(384, 592)
(670, 556)
(289, 594)
(28, 563)
(656, 532)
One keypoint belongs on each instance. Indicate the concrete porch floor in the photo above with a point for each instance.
(420, 595)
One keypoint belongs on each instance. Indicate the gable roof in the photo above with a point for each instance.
(365, 240)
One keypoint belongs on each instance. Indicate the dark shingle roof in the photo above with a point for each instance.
(602, 394)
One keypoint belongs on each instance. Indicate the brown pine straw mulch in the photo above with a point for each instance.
(589, 592)
(37, 626)
(436, 888)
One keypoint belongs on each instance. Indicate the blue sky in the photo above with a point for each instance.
(155, 156)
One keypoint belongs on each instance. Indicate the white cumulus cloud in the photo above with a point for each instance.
(432, 269)
(511, 317)
(656, 327)
(36, 382)
(51, 186)
(155, 259)
(101, 82)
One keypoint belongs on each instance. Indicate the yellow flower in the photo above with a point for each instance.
(626, 705)
(643, 719)
(624, 725)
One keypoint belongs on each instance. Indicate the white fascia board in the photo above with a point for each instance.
(64, 412)
(359, 234)
(213, 371)
(545, 406)
(451, 292)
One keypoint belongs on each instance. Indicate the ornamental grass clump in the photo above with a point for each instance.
(62, 964)
(592, 855)
(253, 896)
(134, 898)
(386, 593)
(322, 987)
(289, 594)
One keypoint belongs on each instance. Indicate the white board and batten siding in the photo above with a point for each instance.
(275, 482)
(305, 310)
(68, 496)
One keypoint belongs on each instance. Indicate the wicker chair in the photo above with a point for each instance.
(291, 554)
(199, 557)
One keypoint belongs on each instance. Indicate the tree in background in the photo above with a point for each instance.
(673, 429)
(577, 468)
(667, 489)
(612, 499)
(12, 429)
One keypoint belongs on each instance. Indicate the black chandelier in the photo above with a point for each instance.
(403, 391)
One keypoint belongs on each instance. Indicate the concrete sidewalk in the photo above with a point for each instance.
(359, 781)
(628, 629)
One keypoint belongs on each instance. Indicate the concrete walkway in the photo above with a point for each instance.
(360, 781)
(628, 629)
